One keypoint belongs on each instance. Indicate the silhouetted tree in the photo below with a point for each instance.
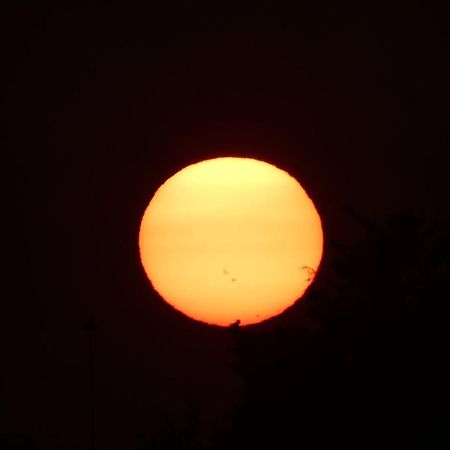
(372, 372)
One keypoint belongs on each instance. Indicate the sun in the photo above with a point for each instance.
(231, 239)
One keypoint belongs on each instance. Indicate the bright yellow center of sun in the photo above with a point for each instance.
(231, 239)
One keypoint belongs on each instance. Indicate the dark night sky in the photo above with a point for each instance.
(102, 104)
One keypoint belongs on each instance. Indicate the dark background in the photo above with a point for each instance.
(102, 104)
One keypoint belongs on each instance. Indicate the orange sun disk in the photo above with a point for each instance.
(231, 239)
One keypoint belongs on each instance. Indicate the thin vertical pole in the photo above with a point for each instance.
(90, 328)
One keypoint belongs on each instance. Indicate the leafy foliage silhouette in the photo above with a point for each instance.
(371, 372)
